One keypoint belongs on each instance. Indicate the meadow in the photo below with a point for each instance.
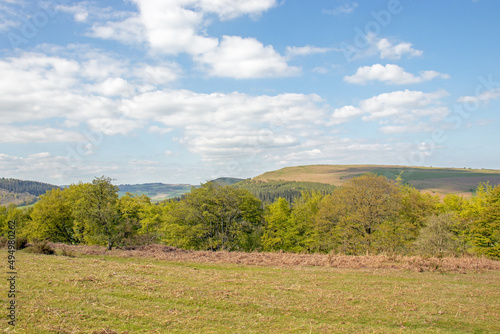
(159, 289)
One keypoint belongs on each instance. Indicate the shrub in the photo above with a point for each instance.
(42, 247)
(21, 242)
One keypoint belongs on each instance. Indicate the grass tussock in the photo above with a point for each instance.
(397, 262)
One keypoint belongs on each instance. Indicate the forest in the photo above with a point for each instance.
(368, 214)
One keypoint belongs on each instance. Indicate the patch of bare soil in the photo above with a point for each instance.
(397, 262)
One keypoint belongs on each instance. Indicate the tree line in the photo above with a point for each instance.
(20, 186)
(368, 214)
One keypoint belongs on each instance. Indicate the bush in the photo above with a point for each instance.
(3, 242)
(21, 243)
(42, 247)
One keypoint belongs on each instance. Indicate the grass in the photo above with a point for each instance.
(122, 293)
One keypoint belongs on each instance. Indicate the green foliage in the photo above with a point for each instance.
(97, 211)
(270, 191)
(440, 237)
(485, 228)
(213, 217)
(52, 217)
(349, 220)
(277, 217)
(368, 214)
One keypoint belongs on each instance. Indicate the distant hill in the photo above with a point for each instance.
(268, 191)
(434, 180)
(227, 181)
(156, 191)
(21, 192)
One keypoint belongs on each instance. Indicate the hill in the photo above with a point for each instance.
(268, 191)
(21, 192)
(227, 181)
(156, 191)
(434, 180)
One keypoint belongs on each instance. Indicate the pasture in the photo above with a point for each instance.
(163, 290)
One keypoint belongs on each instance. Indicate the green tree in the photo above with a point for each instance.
(214, 217)
(52, 217)
(439, 237)
(97, 208)
(277, 222)
(485, 228)
(349, 219)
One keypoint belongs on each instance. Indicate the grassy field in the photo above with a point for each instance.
(141, 292)
(436, 180)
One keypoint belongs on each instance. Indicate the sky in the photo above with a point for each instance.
(185, 91)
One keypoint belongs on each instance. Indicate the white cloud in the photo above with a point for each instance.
(177, 26)
(230, 125)
(230, 9)
(243, 58)
(370, 45)
(113, 87)
(293, 51)
(114, 126)
(37, 134)
(345, 114)
(401, 108)
(391, 51)
(347, 8)
(128, 31)
(79, 11)
(485, 97)
(391, 74)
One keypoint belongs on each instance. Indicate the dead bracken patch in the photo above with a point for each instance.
(396, 262)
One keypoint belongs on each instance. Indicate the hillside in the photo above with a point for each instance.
(269, 191)
(156, 191)
(21, 192)
(434, 180)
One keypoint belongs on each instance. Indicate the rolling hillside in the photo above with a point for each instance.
(156, 191)
(21, 192)
(435, 180)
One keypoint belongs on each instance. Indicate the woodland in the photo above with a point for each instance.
(368, 214)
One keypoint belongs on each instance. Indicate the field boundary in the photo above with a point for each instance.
(281, 259)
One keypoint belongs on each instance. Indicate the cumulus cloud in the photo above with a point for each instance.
(370, 45)
(244, 58)
(175, 27)
(395, 51)
(402, 108)
(391, 74)
(230, 125)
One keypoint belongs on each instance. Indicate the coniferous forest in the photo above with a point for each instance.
(369, 214)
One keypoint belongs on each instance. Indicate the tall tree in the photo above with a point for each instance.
(349, 218)
(485, 229)
(97, 208)
(52, 217)
(218, 216)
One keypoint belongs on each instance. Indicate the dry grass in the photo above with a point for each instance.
(396, 262)
(159, 289)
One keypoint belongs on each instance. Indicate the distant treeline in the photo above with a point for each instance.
(31, 187)
(269, 191)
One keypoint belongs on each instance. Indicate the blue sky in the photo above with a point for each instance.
(184, 91)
